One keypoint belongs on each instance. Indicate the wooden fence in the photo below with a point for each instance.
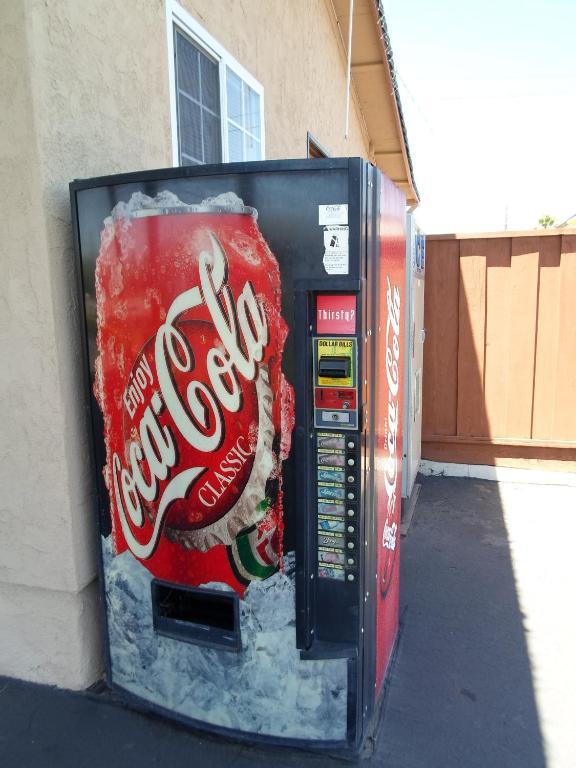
(500, 353)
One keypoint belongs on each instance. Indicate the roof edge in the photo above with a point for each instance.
(392, 72)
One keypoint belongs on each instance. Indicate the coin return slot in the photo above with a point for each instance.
(334, 367)
(200, 616)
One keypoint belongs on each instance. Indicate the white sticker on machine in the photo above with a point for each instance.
(336, 250)
(336, 213)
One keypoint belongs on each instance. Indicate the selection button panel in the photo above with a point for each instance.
(337, 514)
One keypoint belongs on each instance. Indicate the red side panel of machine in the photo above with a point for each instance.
(389, 396)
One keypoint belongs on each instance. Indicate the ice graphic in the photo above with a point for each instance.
(264, 689)
(139, 203)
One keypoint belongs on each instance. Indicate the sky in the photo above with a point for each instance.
(488, 91)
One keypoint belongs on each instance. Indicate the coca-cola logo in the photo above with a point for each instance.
(181, 394)
(390, 531)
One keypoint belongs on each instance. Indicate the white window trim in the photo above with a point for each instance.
(176, 15)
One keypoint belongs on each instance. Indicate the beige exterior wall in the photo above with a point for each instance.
(75, 100)
(84, 92)
(293, 49)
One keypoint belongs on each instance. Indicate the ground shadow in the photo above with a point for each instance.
(461, 690)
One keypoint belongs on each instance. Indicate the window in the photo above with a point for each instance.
(198, 104)
(314, 148)
(243, 119)
(217, 107)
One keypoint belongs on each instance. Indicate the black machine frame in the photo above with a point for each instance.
(316, 603)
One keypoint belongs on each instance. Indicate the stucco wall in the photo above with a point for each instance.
(78, 98)
(293, 49)
(84, 92)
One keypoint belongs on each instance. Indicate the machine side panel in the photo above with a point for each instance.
(414, 354)
(388, 417)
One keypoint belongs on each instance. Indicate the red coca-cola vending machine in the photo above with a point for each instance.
(244, 347)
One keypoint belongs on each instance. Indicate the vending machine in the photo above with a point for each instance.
(244, 354)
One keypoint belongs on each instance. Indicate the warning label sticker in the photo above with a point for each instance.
(336, 250)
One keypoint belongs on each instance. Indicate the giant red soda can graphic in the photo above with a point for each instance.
(197, 413)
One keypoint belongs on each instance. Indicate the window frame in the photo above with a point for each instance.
(176, 16)
(313, 147)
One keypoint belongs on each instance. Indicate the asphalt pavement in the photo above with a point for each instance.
(472, 685)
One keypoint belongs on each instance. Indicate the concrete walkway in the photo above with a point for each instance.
(484, 676)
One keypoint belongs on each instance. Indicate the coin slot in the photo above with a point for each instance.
(336, 416)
